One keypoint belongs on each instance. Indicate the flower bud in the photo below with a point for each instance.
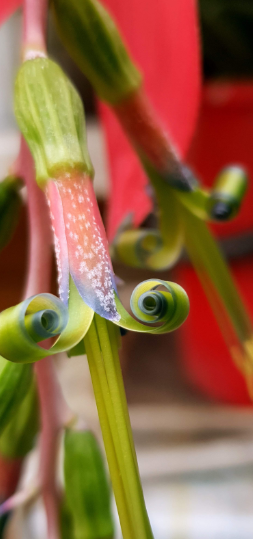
(10, 203)
(87, 489)
(50, 115)
(93, 40)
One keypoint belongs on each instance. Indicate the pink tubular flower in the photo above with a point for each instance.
(167, 51)
(80, 243)
(54, 128)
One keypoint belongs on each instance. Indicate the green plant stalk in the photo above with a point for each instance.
(109, 408)
(116, 387)
(105, 358)
(113, 339)
(120, 497)
(218, 284)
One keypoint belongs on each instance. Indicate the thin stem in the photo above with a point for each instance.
(51, 426)
(104, 361)
(120, 497)
(98, 361)
(117, 392)
(112, 329)
(208, 260)
(34, 28)
(221, 291)
(49, 393)
(40, 252)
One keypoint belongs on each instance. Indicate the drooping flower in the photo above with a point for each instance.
(81, 244)
(183, 204)
(50, 115)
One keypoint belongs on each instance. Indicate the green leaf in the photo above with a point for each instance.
(87, 489)
(17, 438)
(15, 381)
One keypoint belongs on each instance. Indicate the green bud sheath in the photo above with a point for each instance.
(15, 381)
(18, 437)
(50, 115)
(10, 203)
(93, 40)
(87, 489)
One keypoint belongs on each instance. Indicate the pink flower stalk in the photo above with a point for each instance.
(168, 53)
(80, 243)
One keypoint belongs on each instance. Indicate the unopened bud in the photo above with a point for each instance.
(50, 115)
(93, 40)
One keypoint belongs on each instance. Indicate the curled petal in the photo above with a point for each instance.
(150, 248)
(39, 318)
(89, 261)
(151, 304)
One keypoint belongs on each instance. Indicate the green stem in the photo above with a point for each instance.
(98, 360)
(212, 268)
(116, 388)
(125, 520)
(112, 331)
(102, 350)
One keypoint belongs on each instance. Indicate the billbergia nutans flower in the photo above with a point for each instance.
(183, 204)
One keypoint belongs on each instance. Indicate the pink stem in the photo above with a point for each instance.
(51, 426)
(40, 233)
(49, 391)
(34, 43)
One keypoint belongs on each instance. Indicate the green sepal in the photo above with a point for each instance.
(10, 204)
(50, 115)
(39, 318)
(87, 489)
(15, 381)
(150, 304)
(93, 40)
(18, 437)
